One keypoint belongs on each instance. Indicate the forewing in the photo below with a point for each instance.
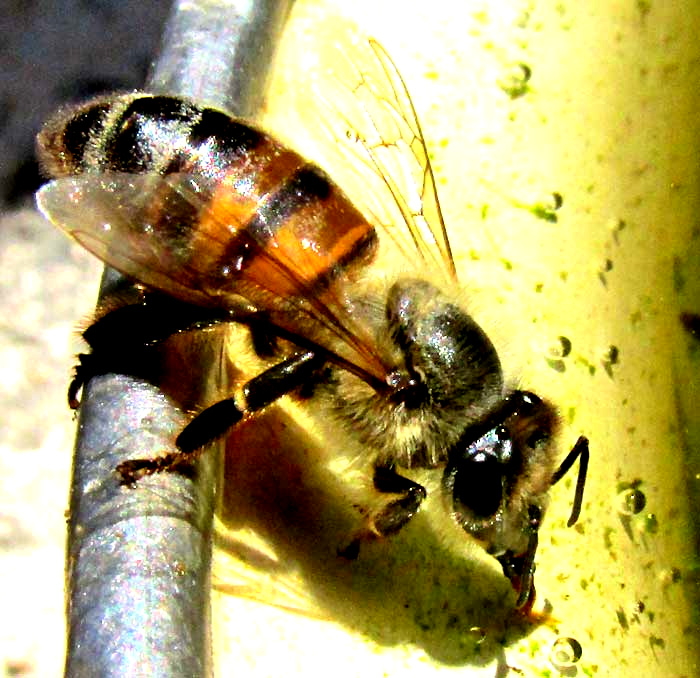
(151, 228)
(127, 221)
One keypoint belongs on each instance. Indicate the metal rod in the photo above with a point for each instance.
(219, 52)
(138, 571)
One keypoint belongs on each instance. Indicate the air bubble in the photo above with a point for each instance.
(565, 653)
(556, 352)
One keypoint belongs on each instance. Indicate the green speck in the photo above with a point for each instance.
(679, 278)
(484, 211)
(635, 318)
(607, 533)
(546, 212)
(556, 364)
(539, 287)
(643, 7)
(563, 276)
(651, 523)
(584, 584)
(571, 415)
(508, 265)
(580, 360)
(523, 19)
(655, 641)
(474, 255)
(622, 619)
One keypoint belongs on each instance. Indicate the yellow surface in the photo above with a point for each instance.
(608, 121)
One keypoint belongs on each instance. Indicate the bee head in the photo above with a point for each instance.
(496, 482)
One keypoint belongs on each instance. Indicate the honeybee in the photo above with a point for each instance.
(221, 223)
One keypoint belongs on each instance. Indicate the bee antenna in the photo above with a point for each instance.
(580, 452)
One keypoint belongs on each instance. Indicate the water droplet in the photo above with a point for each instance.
(515, 83)
(610, 357)
(631, 501)
(669, 576)
(565, 653)
(558, 350)
(561, 348)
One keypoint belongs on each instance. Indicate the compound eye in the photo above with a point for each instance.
(478, 487)
(476, 477)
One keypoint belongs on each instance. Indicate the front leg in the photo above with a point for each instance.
(216, 420)
(392, 516)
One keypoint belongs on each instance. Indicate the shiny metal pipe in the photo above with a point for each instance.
(219, 52)
(138, 560)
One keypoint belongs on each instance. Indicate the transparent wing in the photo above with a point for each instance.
(380, 129)
(112, 215)
(150, 227)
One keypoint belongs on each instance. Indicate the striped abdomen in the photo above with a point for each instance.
(258, 213)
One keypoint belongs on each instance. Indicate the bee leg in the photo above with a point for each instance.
(216, 420)
(394, 515)
(125, 334)
(82, 373)
(263, 336)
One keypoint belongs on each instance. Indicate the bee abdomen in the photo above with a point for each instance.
(262, 214)
(142, 133)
